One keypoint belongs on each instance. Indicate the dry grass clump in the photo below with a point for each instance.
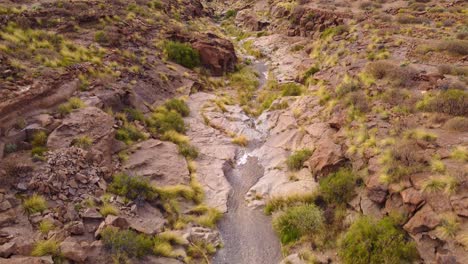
(458, 123)
(394, 74)
(454, 46)
(452, 102)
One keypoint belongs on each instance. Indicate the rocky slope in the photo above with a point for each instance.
(350, 111)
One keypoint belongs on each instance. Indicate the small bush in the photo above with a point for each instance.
(83, 142)
(46, 247)
(459, 153)
(452, 102)
(108, 209)
(375, 242)
(456, 47)
(135, 115)
(129, 133)
(164, 120)
(205, 216)
(409, 19)
(132, 187)
(279, 203)
(126, 242)
(334, 31)
(394, 74)
(35, 204)
(298, 221)
(240, 140)
(45, 226)
(338, 187)
(72, 104)
(39, 139)
(297, 159)
(182, 54)
(178, 105)
(10, 148)
(291, 89)
(420, 135)
(175, 137)
(101, 37)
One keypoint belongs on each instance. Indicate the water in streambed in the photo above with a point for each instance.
(247, 233)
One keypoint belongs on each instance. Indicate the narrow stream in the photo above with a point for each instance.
(247, 233)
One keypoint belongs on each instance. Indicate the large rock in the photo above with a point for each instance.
(327, 157)
(148, 220)
(73, 251)
(159, 161)
(216, 54)
(424, 220)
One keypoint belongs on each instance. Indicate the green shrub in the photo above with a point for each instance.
(279, 203)
(334, 31)
(34, 204)
(39, 139)
(45, 226)
(10, 148)
(101, 37)
(126, 242)
(108, 209)
(46, 247)
(298, 221)
(375, 242)
(452, 102)
(164, 120)
(38, 151)
(188, 150)
(135, 114)
(297, 159)
(291, 89)
(310, 72)
(230, 13)
(245, 82)
(129, 133)
(178, 105)
(182, 54)
(132, 187)
(338, 187)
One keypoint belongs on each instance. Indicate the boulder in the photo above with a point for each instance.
(216, 54)
(148, 220)
(327, 157)
(73, 251)
(159, 161)
(424, 220)
(412, 196)
(376, 190)
(7, 249)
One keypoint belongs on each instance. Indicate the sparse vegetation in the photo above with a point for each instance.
(129, 133)
(164, 120)
(83, 142)
(182, 53)
(452, 101)
(45, 226)
(240, 140)
(297, 159)
(369, 241)
(126, 242)
(108, 209)
(298, 221)
(132, 187)
(338, 187)
(177, 105)
(283, 202)
(46, 247)
(35, 204)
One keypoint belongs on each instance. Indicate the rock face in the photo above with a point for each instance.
(216, 54)
(247, 19)
(91, 122)
(306, 22)
(424, 220)
(159, 161)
